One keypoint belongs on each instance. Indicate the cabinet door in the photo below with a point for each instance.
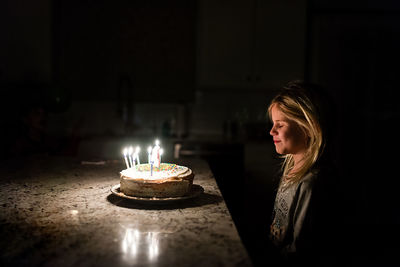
(225, 43)
(152, 44)
(280, 42)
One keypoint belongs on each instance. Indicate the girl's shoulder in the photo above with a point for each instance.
(310, 178)
(321, 180)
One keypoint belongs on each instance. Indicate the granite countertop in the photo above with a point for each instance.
(60, 212)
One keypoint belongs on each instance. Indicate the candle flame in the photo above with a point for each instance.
(137, 149)
(125, 151)
(149, 149)
(130, 150)
(157, 142)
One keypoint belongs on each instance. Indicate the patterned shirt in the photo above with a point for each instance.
(292, 215)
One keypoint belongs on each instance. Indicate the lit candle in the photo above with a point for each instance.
(126, 159)
(149, 151)
(156, 154)
(151, 168)
(133, 158)
(130, 152)
(137, 154)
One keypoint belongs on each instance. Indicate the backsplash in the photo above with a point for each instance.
(212, 114)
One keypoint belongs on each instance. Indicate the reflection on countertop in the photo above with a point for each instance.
(139, 247)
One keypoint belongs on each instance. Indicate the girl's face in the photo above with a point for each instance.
(287, 134)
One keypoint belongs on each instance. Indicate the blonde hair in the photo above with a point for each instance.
(295, 101)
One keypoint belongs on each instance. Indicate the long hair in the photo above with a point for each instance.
(303, 104)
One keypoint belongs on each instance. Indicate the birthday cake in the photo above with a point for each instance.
(167, 180)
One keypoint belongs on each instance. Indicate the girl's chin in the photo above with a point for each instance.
(280, 152)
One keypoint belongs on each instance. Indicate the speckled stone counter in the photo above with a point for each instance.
(60, 212)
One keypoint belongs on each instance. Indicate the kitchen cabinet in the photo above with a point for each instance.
(149, 45)
(255, 43)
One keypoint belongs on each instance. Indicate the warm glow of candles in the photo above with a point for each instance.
(132, 156)
(130, 152)
(125, 152)
(156, 154)
(137, 154)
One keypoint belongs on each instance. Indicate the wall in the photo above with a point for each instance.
(26, 41)
(150, 43)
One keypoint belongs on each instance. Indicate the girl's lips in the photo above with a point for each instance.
(277, 141)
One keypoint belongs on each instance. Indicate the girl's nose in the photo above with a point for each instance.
(273, 131)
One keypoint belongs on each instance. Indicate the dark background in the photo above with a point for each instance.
(201, 74)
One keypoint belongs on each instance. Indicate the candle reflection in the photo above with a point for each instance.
(130, 242)
(152, 241)
(139, 246)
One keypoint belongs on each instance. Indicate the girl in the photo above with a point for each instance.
(301, 208)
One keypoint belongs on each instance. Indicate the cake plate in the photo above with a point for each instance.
(194, 192)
